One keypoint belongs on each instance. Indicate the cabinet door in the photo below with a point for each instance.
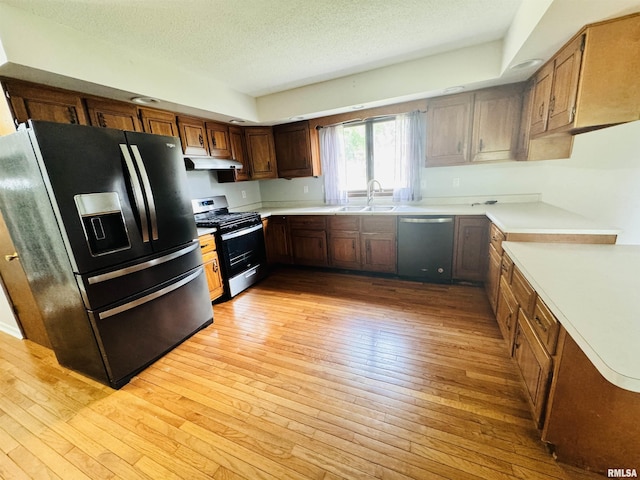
(277, 241)
(496, 118)
(541, 97)
(293, 150)
(158, 122)
(108, 114)
(218, 138)
(565, 85)
(192, 136)
(378, 251)
(309, 247)
(214, 276)
(535, 366)
(470, 249)
(448, 130)
(492, 282)
(41, 103)
(507, 313)
(261, 152)
(344, 249)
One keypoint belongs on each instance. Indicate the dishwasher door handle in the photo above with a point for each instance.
(427, 220)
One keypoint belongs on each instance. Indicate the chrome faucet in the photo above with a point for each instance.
(371, 190)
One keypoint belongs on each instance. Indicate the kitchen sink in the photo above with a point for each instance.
(368, 208)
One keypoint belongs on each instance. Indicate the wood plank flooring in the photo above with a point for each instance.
(308, 375)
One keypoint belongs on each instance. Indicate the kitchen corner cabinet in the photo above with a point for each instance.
(193, 136)
(211, 266)
(297, 150)
(41, 103)
(309, 240)
(158, 122)
(261, 152)
(585, 86)
(496, 122)
(112, 114)
(378, 243)
(277, 242)
(218, 139)
(471, 244)
(449, 129)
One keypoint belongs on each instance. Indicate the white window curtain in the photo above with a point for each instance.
(410, 154)
(334, 165)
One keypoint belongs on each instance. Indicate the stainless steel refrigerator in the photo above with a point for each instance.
(103, 225)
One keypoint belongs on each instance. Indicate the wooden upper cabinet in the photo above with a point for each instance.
(41, 103)
(261, 152)
(449, 129)
(193, 136)
(496, 119)
(158, 122)
(297, 151)
(592, 82)
(218, 138)
(112, 114)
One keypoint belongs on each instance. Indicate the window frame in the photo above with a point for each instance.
(368, 135)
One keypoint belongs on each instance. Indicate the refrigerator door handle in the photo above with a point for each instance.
(152, 296)
(143, 266)
(149, 193)
(137, 192)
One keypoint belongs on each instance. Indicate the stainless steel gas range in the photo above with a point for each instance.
(240, 241)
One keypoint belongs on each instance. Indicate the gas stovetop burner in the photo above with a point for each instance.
(213, 212)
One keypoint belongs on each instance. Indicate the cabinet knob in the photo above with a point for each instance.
(540, 324)
(215, 265)
(459, 147)
(101, 121)
(73, 118)
(201, 140)
(481, 144)
(12, 257)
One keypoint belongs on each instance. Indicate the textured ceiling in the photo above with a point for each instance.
(265, 46)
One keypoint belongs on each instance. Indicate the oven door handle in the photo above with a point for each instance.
(239, 233)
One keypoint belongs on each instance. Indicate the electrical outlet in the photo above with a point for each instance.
(456, 182)
(305, 189)
(244, 194)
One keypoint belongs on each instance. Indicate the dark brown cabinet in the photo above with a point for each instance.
(344, 241)
(261, 152)
(277, 240)
(158, 122)
(108, 114)
(40, 103)
(378, 240)
(218, 139)
(471, 245)
(296, 147)
(309, 240)
(193, 136)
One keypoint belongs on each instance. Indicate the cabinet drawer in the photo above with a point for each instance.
(496, 237)
(506, 268)
(523, 291)
(349, 223)
(378, 224)
(313, 222)
(545, 325)
(207, 243)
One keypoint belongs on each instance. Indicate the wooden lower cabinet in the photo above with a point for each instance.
(211, 266)
(378, 243)
(344, 249)
(309, 247)
(277, 242)
(507, 313)
(492, 281)
(471, 244)
(535, 365)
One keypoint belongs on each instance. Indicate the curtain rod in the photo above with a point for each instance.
(360, 120)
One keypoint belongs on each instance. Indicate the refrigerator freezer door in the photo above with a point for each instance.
(77, 160)
(164, 180)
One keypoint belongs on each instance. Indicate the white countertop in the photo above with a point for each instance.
(530, 217)
(593, 291)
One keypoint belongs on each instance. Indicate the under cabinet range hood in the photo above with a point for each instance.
(194, 162)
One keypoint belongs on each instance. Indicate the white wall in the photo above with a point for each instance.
(241, 195)
(8, 323)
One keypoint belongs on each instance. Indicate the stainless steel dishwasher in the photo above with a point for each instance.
(425, 247)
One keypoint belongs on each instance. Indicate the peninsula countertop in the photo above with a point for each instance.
(593, 292)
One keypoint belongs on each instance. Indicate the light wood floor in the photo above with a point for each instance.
(308, 375)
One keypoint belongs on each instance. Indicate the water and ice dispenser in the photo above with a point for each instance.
(103, 222)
